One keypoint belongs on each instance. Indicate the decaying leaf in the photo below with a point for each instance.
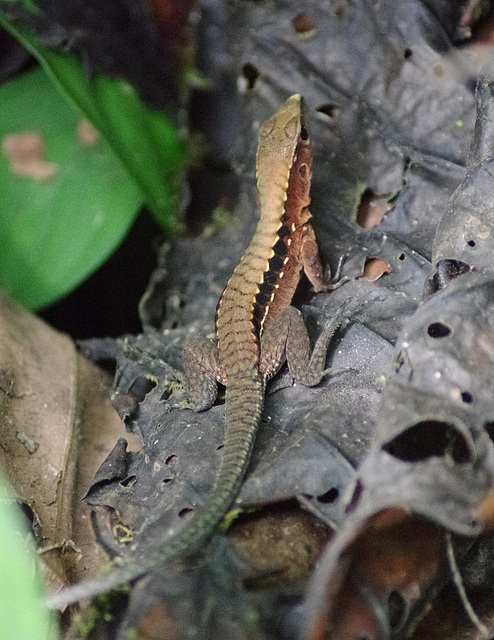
(374, 268)
(433, 455)
(373, 577)
(372, 209)
(56, 424)
(281, 543)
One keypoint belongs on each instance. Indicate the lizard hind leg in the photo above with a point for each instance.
(286, 338)
(202, 372)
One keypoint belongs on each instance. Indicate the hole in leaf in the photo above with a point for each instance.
(446, 270)
(186, 513)
(220, 447)
(372, 209)
(122, 534)
(125, 405)
(402, 257)
(304, 25)
(166, 480)
(467, 397)
(489, 427)
(471, 243)
(397, 609)
(129, 481)
(438, 330)
(27, 511)
(427, 439)
(332, 111)
(451, 269)
(250, 73)
(400, 362)
(166, 394)
(407, 54)
(355, 499)
(141, 386)
(32, 521)
(171, 460)
(329, 497)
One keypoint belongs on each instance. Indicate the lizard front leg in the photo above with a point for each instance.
(321, 279)
(202, 372)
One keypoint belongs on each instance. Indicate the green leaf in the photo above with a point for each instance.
(145, 140)
(22, 612)
(53, 233)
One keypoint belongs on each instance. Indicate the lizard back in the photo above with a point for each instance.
(257, 281)
(243, 305)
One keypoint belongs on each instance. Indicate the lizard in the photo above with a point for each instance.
(257, 329)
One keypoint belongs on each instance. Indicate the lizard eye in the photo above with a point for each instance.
(304, 132)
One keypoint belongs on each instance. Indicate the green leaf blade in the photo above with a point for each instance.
(54, 233)
(23, 614)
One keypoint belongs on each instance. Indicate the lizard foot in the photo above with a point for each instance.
(335, 281)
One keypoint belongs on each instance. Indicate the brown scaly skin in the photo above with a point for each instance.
(256, 330)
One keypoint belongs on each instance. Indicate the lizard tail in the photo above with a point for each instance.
(243, 413)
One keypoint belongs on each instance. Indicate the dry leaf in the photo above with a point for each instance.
(372, 209)
(374, 268)
(281, 542)
(58, 425)
(158, 623)
(386, 566)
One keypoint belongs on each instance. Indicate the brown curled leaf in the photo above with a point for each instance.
(372, 209)
(25, 152)
(486, 511)
(304, 25)
(374, 268)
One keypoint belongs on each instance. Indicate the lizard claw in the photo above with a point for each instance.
(180, 401)
(335, 281)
